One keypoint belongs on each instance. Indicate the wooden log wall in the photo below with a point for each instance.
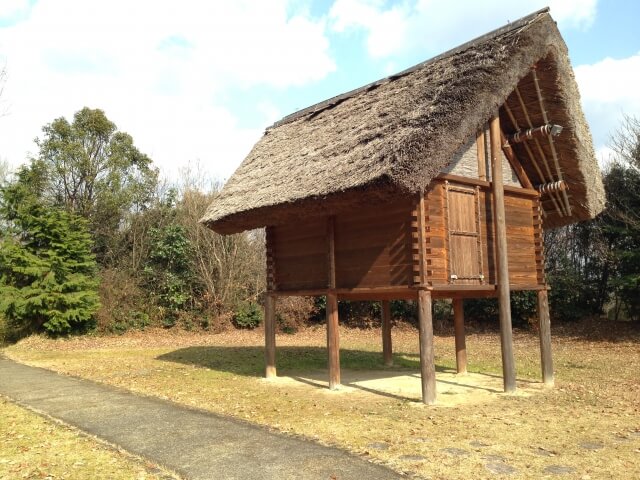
(373, 246)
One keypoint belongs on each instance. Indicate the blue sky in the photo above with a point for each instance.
(197, 81)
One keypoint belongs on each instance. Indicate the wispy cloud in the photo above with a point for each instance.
(432, 26)
(160, 70)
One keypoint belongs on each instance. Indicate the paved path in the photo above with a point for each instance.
(195, 444)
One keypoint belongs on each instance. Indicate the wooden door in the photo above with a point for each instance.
(465, 248)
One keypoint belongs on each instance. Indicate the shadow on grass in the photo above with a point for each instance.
(309, 364)
(249, 361)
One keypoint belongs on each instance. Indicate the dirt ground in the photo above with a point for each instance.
(586, 427)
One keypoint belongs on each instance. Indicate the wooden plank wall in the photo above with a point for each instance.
(372, 249)
(373, 246)
(299, 254)
(524, 238)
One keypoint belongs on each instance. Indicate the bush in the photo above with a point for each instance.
(247, 315)
(123, 304)
(294, 312)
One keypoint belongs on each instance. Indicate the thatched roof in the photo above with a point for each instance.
(394, 136)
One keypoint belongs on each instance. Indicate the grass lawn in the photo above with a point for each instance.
(32, 447)
(587, 427)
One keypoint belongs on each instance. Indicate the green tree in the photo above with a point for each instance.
(95, 171)
(168, 270)
(621, 221)
(47, 270)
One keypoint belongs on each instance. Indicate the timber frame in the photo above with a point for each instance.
(406, 250)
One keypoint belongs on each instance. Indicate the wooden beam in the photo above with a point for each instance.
(427, 357)
(333, 332)
(333, 341)
(422, 240)
(458, 325)
(524, 192)
(546, 358)
(482, 155)
(387, 348)
(515, 163)
(270, 337)
(506, 334)
(331, 251)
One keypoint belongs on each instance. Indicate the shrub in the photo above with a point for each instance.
(247, 315)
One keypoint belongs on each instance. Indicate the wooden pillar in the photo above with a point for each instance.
(481, 154)
(333, 341)
(506, 337)
(546, 359)
(458, 325)
(333, 332)
(427, 357)
(270, 337)
(387, 348)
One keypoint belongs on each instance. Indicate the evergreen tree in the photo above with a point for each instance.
(47, 270)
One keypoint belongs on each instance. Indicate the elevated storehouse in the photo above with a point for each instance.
(436, 182)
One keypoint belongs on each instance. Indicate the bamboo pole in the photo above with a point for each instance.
(458, 325)
(546, 357)
(270, 337)
(387, 348)
(506, 336)
(427, 365)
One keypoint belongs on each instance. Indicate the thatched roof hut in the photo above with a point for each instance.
(395, 135)
(400, 189)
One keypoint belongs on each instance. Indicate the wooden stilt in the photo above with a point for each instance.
(333, 333)
(270, 337)
(427, 362)
(333, 341)
(506, 337)
(546, 358)
(458, 325)
(387, 348)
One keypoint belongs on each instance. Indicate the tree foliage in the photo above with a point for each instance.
(95, 171)
(593, 267)
(47, 271)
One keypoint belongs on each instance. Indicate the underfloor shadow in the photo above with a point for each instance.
(308, 365)
(249, 360)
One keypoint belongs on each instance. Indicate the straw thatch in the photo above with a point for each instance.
(394, 136)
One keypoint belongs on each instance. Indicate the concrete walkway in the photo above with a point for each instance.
(195, 444)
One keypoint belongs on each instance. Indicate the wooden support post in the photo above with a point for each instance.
(546, 359)
(458, 325)
(481, 155)
(333, 341)
(270, 337)
(506, 336)
(427, 357)
(387, 349)
(333, 332)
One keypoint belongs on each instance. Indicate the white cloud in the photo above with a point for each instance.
(10, 9)
(608, 89)
(161, 70)
(432, 26)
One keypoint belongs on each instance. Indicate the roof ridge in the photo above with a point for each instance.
(333, 101)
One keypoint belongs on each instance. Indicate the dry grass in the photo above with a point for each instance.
(32, 447)
(589, 422)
